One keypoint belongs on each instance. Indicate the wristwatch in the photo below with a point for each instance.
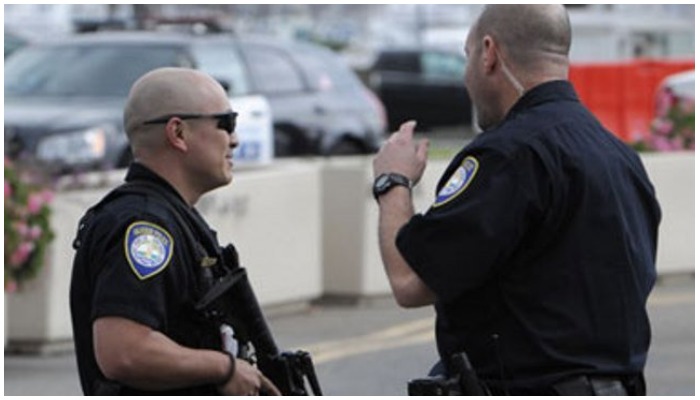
(386, 182)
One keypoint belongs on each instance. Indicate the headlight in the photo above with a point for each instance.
(74, 147)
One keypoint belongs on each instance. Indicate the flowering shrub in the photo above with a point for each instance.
(27, 230)
(673, 128)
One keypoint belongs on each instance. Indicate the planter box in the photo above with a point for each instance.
(351, 259)
(352, 264)
(271, 214)
(673, 176)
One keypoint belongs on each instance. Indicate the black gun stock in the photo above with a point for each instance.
(231, 300)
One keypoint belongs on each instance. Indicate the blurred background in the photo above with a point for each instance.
(318, 88)
(336, 78)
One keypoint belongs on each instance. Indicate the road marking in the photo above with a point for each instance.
(406, 334)
(422, 331)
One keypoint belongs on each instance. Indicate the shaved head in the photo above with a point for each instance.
(529, 33)
(166, 91)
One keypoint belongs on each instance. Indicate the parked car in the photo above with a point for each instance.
(679, 86)
(64, 100)
(425, 84)
(319, 105)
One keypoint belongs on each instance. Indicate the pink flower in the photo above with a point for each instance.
(664, 102)
(21, 254)
(21, 228)
(34, 233)
(47, 195)
(34, 203)
(8, 190)
(663, 126)
(676, 143)
(10, 286)
(660, 143)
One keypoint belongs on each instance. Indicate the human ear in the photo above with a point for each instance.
(489, 55)
(175, 134)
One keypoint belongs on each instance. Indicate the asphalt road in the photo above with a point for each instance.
(373, 348)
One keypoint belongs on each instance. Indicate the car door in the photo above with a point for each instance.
(296, 115)
(222, 60)
(442, 83)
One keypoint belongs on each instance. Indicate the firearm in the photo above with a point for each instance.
(462, 382)
(231, 301)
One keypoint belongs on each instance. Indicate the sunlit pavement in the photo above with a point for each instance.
(373, 347)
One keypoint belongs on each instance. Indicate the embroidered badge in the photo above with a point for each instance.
(148, 248)
(459, 181)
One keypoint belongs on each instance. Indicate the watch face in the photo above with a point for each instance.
(383, 181)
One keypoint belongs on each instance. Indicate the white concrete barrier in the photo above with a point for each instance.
(271, 214)
(351, 259)
(305, 228)
(673, 176)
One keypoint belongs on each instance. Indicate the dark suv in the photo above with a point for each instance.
(64, 100)
(425, 84)
(319, 105)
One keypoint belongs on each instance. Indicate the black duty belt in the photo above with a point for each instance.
(601, 386)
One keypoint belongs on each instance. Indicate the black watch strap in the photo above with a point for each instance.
(385, 182)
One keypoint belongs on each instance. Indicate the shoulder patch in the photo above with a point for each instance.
(459, 181)
(148, 248)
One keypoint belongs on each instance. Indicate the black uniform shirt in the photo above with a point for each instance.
(135, 261)
(541, 247)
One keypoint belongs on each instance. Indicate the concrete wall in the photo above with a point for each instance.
(673, 176)
(305, 228)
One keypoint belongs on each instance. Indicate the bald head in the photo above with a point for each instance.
(166, 91)
(531, 34)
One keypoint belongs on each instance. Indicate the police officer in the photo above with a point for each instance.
(538, 252)
(140, 251)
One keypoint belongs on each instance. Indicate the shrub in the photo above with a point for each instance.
(27, 224)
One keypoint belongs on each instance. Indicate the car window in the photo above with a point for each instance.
(324, 70)
(223, 62)
(398, 62)
(12, 43)
(443, 65)
(273, 71)
(94, 71)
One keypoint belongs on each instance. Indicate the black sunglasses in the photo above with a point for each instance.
(225, 121)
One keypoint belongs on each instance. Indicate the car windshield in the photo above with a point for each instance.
(84, 71)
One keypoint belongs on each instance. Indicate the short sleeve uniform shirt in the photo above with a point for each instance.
(136, 262)
(541, 246)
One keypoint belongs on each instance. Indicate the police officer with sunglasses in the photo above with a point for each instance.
(538, 252)
(140, 251)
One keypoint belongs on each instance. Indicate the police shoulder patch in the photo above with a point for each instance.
(148, 248)
(459, 181)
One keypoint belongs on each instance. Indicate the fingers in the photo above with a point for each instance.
(422, 149)
(405, 132)
(268, 387)
(408, 127)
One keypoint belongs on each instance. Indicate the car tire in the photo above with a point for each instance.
(284, 144)
(346, 147)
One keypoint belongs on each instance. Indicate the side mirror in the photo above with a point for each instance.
(225, 84)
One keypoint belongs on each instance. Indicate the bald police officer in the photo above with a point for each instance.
(538, 253)
(139, 252)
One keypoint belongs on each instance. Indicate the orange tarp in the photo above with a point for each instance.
(622, 95)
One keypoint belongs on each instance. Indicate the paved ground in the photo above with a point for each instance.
(373, 348)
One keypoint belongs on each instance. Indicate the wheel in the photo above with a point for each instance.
(346, 147)
(284, 144)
